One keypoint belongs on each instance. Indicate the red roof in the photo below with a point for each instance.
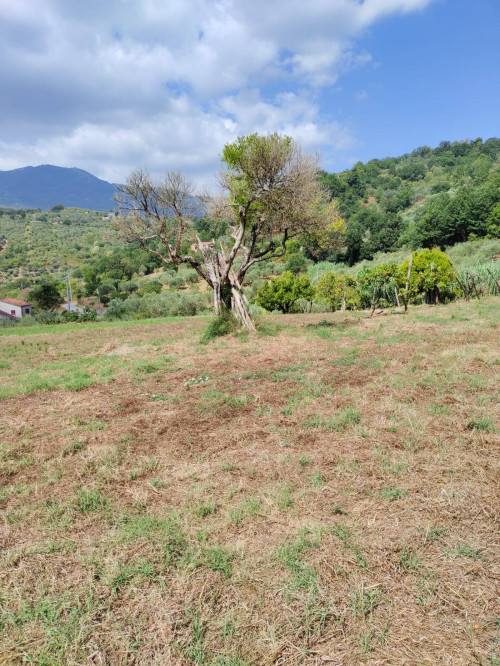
(14, 301)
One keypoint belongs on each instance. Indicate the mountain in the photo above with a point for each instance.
(45, 186)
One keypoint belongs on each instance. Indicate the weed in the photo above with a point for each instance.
(317, 480)
(304, 461)
(342, 419)
(408, 559)
(343, 533)
(204, 509)
(283, 497)
(435, 533)
(147, 368)
(159, 397)
(347, 416)
(391, 494)
(365, 641)
(73, 447)
(224, 324)
(364, 602)
(250, 507)
(78, 381)
(194, 650)
(90, 500)
(96, 425)
(158, 484)
(124, 574)
(291, 555)
(465, 550)
(218, 558)
(482, 424)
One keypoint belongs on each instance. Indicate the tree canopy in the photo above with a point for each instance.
(270, 193)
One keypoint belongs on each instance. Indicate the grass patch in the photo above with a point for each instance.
(481, 424)
(87, 501)
(225, 324)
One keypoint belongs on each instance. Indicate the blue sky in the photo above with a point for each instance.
(164, 84)
(436, 77)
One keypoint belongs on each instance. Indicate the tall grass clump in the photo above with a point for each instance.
(224, 324)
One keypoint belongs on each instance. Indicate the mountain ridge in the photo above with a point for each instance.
(46, 185)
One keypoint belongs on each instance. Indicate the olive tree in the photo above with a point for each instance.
(270, 193)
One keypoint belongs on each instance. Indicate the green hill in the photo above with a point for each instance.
(430, 197)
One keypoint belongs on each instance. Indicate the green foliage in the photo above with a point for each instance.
(431, 197)
(167, 304)
(337, 291)
(152, 287)
(432, 275)
(378, 282)
(224, 324)
(282, 292)
(296, 263)
(46, 295)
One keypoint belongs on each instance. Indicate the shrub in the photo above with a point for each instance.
(152, 287)
(282, 292)
(166, 304)
(222, 325)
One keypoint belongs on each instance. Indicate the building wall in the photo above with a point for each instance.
(14, 310)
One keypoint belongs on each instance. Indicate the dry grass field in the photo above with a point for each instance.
(325, 492)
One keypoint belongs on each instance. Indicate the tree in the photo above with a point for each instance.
(377, 282)
(338, 291)
(270, 193)
(92, 279)
(431, 274)
(296, 263)
(46, 295)
(282, 292)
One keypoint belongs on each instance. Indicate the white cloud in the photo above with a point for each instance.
(112, 85)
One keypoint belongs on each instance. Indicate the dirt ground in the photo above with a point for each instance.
(325, 492)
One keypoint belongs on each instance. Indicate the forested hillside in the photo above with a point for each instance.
(430, 197)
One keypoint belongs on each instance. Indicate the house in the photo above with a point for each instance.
(12, 308)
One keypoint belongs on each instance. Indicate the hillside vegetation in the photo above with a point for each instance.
(446, 197)
(326, 493)
(430, 197)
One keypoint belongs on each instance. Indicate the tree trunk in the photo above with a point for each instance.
(374, 300)
(410, 264)
(216, 265)
(240, 306)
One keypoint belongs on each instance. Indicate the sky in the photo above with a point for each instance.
(164, 84)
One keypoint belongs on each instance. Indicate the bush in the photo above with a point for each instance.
(166, 304)
(152, 287)
(224, 324)
(175, 282)
(282, 292)
(128, 287)
(296, 264)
